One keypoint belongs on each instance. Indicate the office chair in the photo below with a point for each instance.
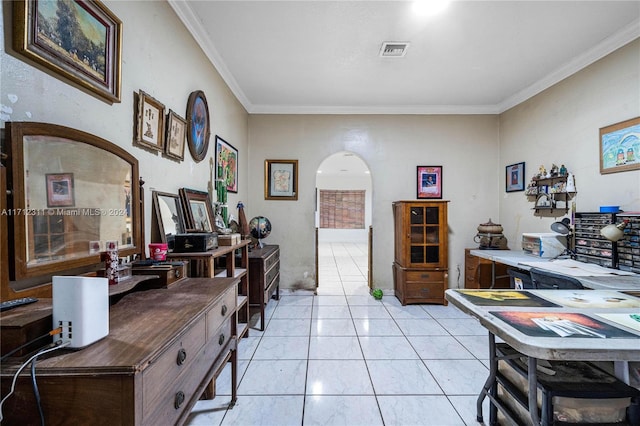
(547, 280)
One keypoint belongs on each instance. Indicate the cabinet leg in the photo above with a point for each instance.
(234, 377)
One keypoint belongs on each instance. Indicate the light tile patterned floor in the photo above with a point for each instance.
(343, 358)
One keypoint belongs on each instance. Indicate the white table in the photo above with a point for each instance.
(590, 275)
(554, 347)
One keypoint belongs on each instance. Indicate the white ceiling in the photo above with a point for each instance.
(475, 57)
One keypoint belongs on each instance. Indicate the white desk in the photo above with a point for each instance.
(549, 345)
(590, 275)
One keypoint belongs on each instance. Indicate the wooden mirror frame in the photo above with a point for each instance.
(17, 232)
(158, 230)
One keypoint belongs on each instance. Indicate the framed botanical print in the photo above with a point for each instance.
(227, 162)
(198, 125)
(281, 179)
(150, 122)
(175, 136)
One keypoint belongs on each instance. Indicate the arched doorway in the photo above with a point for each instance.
(343, 225)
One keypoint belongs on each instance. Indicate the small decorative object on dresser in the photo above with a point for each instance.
(420, 267)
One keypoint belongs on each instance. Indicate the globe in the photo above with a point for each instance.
(260, 227)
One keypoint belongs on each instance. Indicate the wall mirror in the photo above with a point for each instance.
(169, 220)
(71, 193)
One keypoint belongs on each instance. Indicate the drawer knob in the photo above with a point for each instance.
(224, 310)
(221, 339)
(425, 290)
(182, 356)
(179, 399)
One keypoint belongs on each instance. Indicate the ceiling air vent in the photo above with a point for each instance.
(393, 49)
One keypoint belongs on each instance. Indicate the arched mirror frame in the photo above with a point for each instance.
(35, 274)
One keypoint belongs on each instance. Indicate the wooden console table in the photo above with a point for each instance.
(164, 348)
(203, 265)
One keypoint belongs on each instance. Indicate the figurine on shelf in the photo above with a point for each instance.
(554, 171)
(563, 170)
(542, 172)
(532, 188)
(571, 183)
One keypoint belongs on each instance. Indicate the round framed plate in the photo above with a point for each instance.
(199, 126)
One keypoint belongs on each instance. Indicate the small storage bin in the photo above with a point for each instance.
(583, 410)
(519, 279)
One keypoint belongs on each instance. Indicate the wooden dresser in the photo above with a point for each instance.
(477, 272)
(164, 348)
(420, 267)
(264, 277)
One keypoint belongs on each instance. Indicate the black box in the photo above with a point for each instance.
(196, 242)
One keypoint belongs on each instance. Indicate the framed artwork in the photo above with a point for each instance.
(514, 177)
(175, 136)
(281, 179)
(227, 164)
(80, 41)
(150, 122)
(60, 190)
(198, 213)
(198, 125)
(429, 182)
(620, 146)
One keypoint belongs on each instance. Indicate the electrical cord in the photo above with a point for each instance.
(51, 333)
(36, 392)
(58, 345)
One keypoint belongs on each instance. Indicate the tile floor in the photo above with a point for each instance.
(343, 358)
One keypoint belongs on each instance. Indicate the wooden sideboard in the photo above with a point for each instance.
(477, 272)
(264, 277)
(164, 348)
(221, 262)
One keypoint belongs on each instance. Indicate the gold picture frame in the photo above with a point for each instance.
(176, 136)
(97, 68)
(281, 179)
(149, 122)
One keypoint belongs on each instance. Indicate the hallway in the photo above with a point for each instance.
(343, 358)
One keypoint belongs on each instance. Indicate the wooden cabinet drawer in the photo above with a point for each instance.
(271, 273)
(425, 290)
(173, 361)
(220, 311)
(271, 287)
(272, 259)
(425, 276)
(166, 408)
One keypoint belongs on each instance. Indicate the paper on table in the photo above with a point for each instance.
(577, 269)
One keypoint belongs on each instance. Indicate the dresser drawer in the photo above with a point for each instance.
(172, 363)
(425, 290)
(425, 276)
(167, 409)
(220, 312)
(272, 259)
(271, 273)
(271, 287)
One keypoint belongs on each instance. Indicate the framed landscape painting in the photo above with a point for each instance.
(80, 41)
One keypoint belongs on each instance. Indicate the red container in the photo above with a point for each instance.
(158, 251)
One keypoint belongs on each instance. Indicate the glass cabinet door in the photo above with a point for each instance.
(424, 246)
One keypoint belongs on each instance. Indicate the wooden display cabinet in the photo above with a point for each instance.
(477, 272)
(420, 267)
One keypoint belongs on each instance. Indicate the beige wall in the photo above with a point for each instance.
(392, 146)
(160, 58)
(561, 125)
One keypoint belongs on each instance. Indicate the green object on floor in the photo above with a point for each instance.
(377, 294)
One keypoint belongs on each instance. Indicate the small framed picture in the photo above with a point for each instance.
(620, 146)
(60, 190)
(150, 122)
(197, 209)
(176, 136)
(227, 161)
(281, 179)
(514, 177)
(429, 182)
